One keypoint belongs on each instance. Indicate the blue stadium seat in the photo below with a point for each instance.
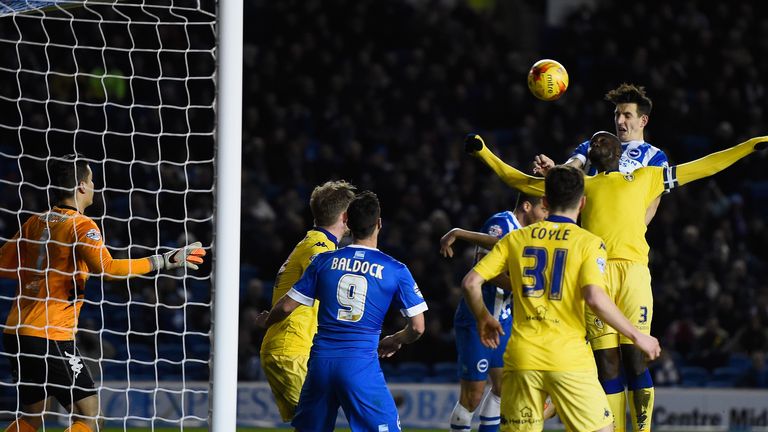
(728, 374)
(448, 370)
(739, 361)
(414, 371)
(693, 376)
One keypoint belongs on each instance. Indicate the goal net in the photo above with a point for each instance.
(130, 86)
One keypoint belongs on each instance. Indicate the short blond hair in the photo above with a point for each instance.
(329, 200)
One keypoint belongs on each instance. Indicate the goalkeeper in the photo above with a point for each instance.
(52, 257)
(616, 212)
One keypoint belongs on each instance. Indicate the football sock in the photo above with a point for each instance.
(461, 419)
(20, 426)
(78, 426)
(490, 413)
(641, 395)
(614, 390)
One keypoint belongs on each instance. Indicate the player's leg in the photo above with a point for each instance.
(318, 405)
(363, 394)
(490, 409)
(474, 361)
(285, 375)
(32, 418)
(70, 382)
(581, 402)
(605, 346)
(637, 304)
(522, 401)
(87, 415)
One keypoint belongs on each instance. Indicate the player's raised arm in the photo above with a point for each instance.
(711, 164)
(516, 179)
(480, 239)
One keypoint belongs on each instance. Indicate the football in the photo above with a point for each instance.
(547, 80)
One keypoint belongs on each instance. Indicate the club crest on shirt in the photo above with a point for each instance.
(629, 177)
(634, 153)
(495, 230)
(93, 234)
(599, 324)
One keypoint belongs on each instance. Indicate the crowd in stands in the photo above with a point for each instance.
(382, 93)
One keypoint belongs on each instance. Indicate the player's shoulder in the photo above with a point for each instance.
(317, 241)
(645, 153)
(500, 223)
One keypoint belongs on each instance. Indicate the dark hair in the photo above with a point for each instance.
(329, 200)
(630, 93)
(523, 197)
(66, 174)
(363, 214)
(604, 151)
(563, 187)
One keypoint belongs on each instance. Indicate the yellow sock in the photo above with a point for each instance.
(641, 408)
(78, 426)
(20, 426)
(617, 402)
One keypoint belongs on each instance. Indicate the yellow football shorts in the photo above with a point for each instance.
(578, 396)
(285, 375)
(629, 286)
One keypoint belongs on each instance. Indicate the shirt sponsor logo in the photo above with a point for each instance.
(93, 234)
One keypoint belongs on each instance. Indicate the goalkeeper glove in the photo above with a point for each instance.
(189, 256)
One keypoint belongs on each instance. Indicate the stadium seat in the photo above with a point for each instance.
(693, 376)
(728, 374)
(413, 371)
(448, 370)
(739, 361)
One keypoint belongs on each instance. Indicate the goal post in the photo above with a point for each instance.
(227, 244)
(149, 92)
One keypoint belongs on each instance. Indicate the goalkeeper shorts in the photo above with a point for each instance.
(43, 368)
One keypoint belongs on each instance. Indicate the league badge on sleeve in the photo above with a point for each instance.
(93, 234)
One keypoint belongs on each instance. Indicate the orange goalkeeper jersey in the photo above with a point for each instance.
(51, 258)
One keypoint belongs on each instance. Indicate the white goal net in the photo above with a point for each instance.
(130, 86)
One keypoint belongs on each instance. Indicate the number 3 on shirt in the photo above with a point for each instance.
(350, 293)
(536, 272)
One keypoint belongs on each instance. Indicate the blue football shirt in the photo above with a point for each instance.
(635, 154)
(355, 286)
(496, 300)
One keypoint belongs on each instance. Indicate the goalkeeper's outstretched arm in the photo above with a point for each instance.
(99, 260)
(516, 179)
(711, 164)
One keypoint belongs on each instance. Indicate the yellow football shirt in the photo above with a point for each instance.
(616, 203)
(293, 335)
(553, 259)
